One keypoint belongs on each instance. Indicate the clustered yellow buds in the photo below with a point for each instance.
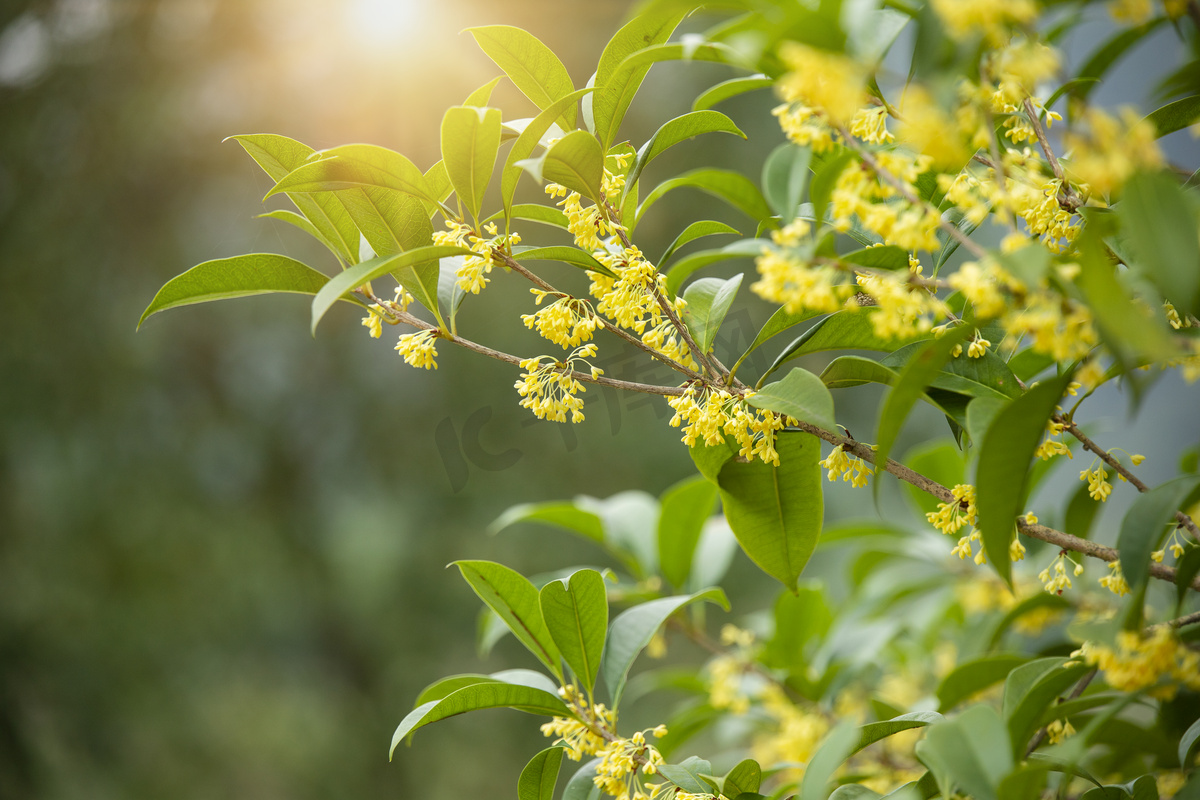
(1097, 480)
(566, 321)
(550, 390)
(851, 469)
(472, 273)
(1158, 662)
(1054, 577)
(418, 349)
(952, 516)
(708, 415)
(1115, 581)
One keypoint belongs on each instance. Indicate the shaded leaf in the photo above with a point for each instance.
(558, 514)
(682, 269)
(1107, 54)
(835, 748)
(1175, 116)
(540, 775)
(708, 301)
(974, 676)
(1142, 531)
(746, 776)
(515, 599)
(779, 322)
(842, 330)
(785, 177)
(679, 130)
(1156, 217)
(734, 188)
(530, 65)
(685, 507)
(576, 614)
(692, 232)
(470, 142)
(731, 88)
(800, 395)
(875, 731)
(563, 253)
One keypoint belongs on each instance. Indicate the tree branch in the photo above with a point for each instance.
(1067, 197)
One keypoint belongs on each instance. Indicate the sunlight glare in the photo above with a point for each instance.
(384, 22)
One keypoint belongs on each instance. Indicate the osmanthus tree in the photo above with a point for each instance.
(1001, 273)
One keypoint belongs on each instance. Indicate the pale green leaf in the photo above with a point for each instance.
(416, 262)
(240, 276)
(1143, 529)
(746, 776)
(1156, 217)
(523, 147)
(470, 142)
(515, 599)
(576, 614)
(483, 95)
(972, 677)
(776, 511)
(708, 301)
(692, 232)
(1003, 470)
(479, 696)
(557, 514)
(1175, 116)
(564, 253)
(679, 130)
(574, 161)
(734, 188)
(731, 88)
(785, 177)
(682, 269)
(875, 731)
(540, 775)
(834, 749)
(633, 629)
(684, 508)
(800, 395)
(530, 65)
(354, 166)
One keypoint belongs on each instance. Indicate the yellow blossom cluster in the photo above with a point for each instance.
(1052, 444)
(903, 308)
(950, 517)
(1115, 581)
(992, 18)
(1057, 326)
(851, 469)
(623, 762)
(1112, 149)
(1175, 543)
(708, 415)
(630, 297)
(861, 192)
(725, 690)
(373, 321)
(578, 738)
(1097, 480)
(550, 390)
(1158, 662)
(418, 349)
(870, 125)
(566, 321)
(473, 272)
(831, 84)
(1054, 578)
(796, 284)
(1059, 731)
(964, 548)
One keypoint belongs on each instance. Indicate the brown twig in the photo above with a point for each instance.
(1067, 197)
(1040, 736)
(1070, 427)
(516, 266)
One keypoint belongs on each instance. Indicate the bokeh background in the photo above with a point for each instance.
(221, 539)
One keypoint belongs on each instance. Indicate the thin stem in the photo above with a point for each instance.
(1067, 197)
(1190, 619)
(1070, 427)
(1057, 538)
(475, 347)
(1075, 694)
(906, 192)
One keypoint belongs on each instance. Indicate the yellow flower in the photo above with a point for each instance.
(1115, 581)
(1097, 479)
(1112, 150)
(829, 82)
(992, 18)
(1058, 731)
(952, 516)
(550, 390)
(373, 322)
(418, 349)
(851, 469)
(1158, 661)
(566, 321)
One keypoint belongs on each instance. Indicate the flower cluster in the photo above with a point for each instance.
(418, 349)
(950, 517)
(1115, 581)
(849, 468)
(1054, 578)
(1097, 480)
(624, 762)
(708, 415)
(550, 390)
(566, 321)
(473, 272)
(1158, 662)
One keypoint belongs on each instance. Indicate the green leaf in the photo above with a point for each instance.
(279, 155)
(731, 88)
(873, 732)
(825, 177)
(483, 95)
(1069, 86)
(515, 599)
(800, 395)
(450, 294)
(1104, 56)
(746, 776)
(390, 221)
(1175, 116)
(527, 141)
(835, 748)
(785, 177)
(1026, 606)
(682, 269)
(240, 276)
(540, 775)
(564, 253)
(693, 232)
(557, 514)
(679, 130)
(518, 677)
(854, 791)
(1186, 569)
(708, 301)
(882, 257)
(582, 785)
(1142, 531)
(533, 212)
(1190, 737)
(986, 376)
(775, 511)
(479, 696)
(685, 507)
(575, 161)
(710, 459)
(633, 629)
(301, 222)
(921, 371)
(779, 322)
(1026, 782)
(1003, 468)
(973, 750)
(417, 269)
(530, 65)
(842, 330)
(1156, 217)
(618, 87)
(576, 614)
(800, 619)
(470, 141)
(687, 776)
(734, 188)
(1024, 714)
(355, 166)
(974, 676)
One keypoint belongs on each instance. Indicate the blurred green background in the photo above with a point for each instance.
(222, 540)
